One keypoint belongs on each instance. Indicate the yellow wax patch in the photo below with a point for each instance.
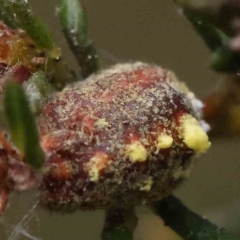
(95, 165)
(164, 141)
(147, 185)
(136, 152)
(194, 136)
(94, 173)
(101, 123)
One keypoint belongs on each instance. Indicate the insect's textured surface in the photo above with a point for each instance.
(124, 136)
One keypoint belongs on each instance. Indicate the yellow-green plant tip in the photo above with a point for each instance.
(36, 29)
(42, 83)
(22, 125)
(74, 25)
(37, 88)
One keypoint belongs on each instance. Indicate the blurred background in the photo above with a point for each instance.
(152, 31)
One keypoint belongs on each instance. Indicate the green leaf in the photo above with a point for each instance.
(223, 58)
(6, 17)
(37, 88)
(35, 28)
(22, 125)
(73, 19)
(187, 224)
(74, 25)
(213, 37)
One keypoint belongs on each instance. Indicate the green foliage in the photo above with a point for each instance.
(21, 12)
(37, 88)
(74, 25)
(22, 125)
(6, 16)
(213, 37)
(17, 13)
(187, 224)
(223, 58)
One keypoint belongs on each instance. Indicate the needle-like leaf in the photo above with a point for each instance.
(22, 125)
(223, 58)
(74, 25)
(25, 18)
(5, 16)
(187, 224)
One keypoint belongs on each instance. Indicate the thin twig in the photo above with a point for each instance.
(115, 227)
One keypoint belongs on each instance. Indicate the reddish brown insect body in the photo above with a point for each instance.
(122, 137)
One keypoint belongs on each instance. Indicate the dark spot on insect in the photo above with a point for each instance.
(31, 45)
(42, 54)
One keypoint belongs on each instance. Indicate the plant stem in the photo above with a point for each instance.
(187, 224)
(74, 25)
(115, 227)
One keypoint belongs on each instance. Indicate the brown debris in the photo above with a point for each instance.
(14, 173)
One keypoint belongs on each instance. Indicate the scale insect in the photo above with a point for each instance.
(123, 136)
